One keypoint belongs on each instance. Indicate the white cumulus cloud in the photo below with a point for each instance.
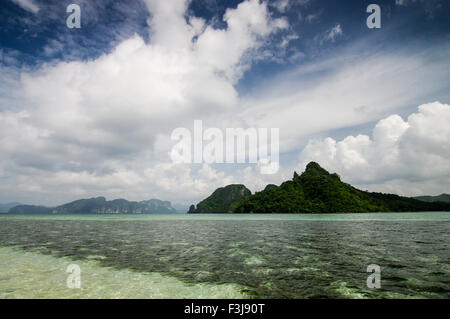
(94, 124)
(399, 156)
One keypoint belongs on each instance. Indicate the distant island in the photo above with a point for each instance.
(314, 191)
(99, 205)
(445, 198)
(7, 206)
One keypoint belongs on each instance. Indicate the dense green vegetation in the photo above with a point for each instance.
(444, 198)
(223, 200)
(318, 191)
(270, 186)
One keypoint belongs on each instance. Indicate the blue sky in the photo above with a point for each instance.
(89, 111)
(105, 23)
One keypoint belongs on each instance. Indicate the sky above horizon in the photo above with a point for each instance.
(89, 111)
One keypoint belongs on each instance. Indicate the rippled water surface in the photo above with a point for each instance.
(226, 256)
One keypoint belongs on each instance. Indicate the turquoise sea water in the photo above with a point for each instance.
(225, 256)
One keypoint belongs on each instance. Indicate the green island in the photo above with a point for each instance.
(314, 191)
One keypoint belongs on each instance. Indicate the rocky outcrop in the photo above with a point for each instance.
(222, 200)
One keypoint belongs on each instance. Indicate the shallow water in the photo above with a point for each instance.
(226, 256)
